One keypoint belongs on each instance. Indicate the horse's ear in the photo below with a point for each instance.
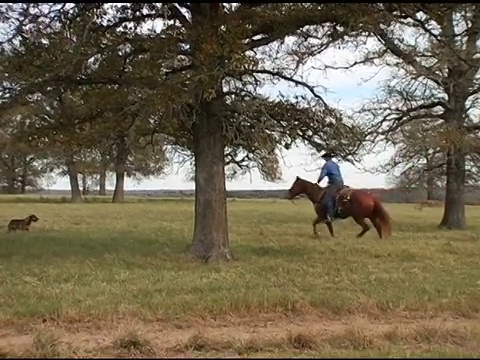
(297, 178)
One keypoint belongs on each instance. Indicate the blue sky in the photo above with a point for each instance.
(346, 90)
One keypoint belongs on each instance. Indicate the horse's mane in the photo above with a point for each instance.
(307, 182)
(313, 186)
(304, 180)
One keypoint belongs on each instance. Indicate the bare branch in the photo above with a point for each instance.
(310, 88)
(407, 57)
(178, 15)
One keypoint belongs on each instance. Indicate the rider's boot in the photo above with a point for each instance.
(329, 212)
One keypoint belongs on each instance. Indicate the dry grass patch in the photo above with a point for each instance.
(255, 345)
(252, 345)
(244, 346)
(446, 335)
(302, 341)
(343, 341)
(354, 338)
(316, 337)
(45, 344)
(132, 343)
(201, 343)
(432, 334)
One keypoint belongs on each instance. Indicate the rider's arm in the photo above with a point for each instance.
(323, 173)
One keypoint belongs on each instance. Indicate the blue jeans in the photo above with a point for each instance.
(328, 200)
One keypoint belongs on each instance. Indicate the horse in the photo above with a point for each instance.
(358, 204)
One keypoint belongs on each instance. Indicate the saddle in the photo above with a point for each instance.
(342, 194)
(345, 192)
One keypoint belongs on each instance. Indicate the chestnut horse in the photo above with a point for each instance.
(358, 204)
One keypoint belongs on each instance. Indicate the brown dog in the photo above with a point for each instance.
(22, 224)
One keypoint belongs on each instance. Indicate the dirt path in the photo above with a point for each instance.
(235, 337)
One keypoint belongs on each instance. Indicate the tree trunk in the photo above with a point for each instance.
(120, 163)
(11, 184)
(11, 177)
(210, 235)
(119, 191)
(430, 186)
(84, 185)
(454, 210)
(102, 183)
(430, 178)
(23, 187)
(24, 177)
(76, 195)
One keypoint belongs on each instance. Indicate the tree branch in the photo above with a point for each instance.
(297, 82)
(178, 15)
(407, 57)
(405, 117)
(276, 26)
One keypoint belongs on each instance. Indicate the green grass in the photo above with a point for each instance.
(104, 261)
(128, 259)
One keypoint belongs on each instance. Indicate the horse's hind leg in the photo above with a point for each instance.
(363, 224)
(330, 228)
(377, 225)
(315, 222)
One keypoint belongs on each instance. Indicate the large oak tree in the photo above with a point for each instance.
(205, 64)
(433, 52)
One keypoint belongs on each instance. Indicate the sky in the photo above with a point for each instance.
(346, 89)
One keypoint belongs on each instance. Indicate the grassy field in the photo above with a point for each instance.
(101, 279)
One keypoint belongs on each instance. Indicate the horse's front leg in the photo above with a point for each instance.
(315, 222)
(330, 228)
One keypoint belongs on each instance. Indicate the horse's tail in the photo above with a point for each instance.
(385, 220)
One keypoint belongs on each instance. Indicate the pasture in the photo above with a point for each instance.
(101, 279)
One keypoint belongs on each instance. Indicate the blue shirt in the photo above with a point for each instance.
(332, 171)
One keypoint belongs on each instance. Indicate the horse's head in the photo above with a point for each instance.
(302, 186)
(297, 188)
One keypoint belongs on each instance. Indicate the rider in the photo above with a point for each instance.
(335, 182)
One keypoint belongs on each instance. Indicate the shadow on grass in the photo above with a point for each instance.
(42, 246)
(283, 251)
(167, 247)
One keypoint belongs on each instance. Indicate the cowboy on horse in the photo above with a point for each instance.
(331, 170)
